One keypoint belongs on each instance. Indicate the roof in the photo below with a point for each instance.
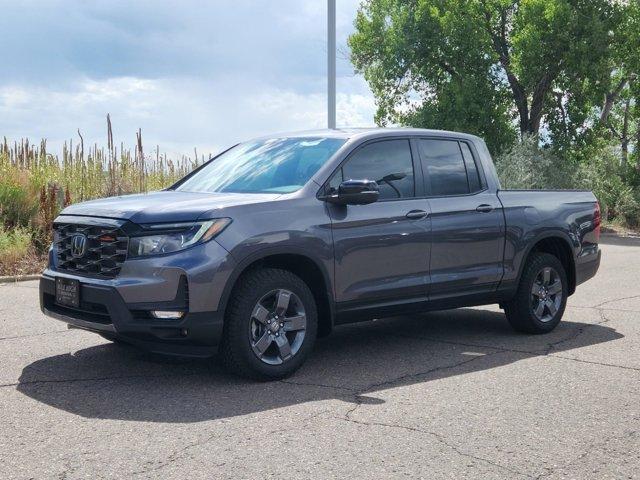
(363, 133)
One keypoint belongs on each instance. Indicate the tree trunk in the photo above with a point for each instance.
(611, 97)
(501, 47)
(563, 113)
(624, 138)
(638, 137)
(520, 99)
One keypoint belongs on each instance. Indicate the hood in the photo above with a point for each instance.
(165, 206)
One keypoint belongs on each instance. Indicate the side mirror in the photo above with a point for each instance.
(355, 192)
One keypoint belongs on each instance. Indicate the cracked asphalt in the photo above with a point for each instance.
(452, 394)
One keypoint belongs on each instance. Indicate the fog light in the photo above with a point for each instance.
(166, 315)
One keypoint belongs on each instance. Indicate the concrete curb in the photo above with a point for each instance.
(19, 278)
(619, 235)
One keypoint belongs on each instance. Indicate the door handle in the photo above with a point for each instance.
(484, 208)
(416, 214)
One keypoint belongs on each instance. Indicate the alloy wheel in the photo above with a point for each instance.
(277, 326)
(546, 294)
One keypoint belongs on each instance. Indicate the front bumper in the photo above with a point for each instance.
(192, 280)
(102, 310)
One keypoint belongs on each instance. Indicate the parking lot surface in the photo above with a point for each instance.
(453, 394)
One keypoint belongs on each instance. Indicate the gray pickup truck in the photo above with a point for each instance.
(276, 240)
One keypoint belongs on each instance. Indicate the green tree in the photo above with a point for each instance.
(483, 65)
(620, 114)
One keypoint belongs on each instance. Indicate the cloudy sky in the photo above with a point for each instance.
(190, 73)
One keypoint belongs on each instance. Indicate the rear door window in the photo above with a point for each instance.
(444, 167)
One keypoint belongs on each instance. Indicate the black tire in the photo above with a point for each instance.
(237, 347)
(521, 310)
(113, 339)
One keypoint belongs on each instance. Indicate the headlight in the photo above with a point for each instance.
(172, 237)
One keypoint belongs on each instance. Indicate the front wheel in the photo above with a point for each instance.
(541, 298)
(112, 338)
(270, 325)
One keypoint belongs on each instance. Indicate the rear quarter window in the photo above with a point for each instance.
(475, 185)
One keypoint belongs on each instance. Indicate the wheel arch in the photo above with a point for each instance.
(302, 264)
(559, 245)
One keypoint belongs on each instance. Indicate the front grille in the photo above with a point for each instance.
(106, 249)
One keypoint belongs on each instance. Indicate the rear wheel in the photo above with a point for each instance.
(270, 325)
(541, 298)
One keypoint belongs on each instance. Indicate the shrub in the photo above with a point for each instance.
(528, 166)
(628, 209)
(18, 205)
(604, 175)
(15, 245)
(597, 168)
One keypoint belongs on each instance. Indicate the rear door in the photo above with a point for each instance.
(382, 249)
(466, 219)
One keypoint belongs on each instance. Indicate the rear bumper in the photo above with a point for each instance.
(103, 310)
(587, 266)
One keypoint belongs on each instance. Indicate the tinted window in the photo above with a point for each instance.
(472, 168)
(277, 165)
(388, 163)
(444, 167)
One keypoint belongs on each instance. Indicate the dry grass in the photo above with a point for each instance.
(36, 184)
(17, 253)
(86, 173)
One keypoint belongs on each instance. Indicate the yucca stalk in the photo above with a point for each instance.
(80, 173)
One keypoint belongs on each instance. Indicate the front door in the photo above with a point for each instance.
(381, 249)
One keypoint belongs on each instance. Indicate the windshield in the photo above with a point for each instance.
(277, 165)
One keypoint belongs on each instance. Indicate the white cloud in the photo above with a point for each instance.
(177, 114)
(203, 75)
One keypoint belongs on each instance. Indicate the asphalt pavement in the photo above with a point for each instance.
(453, 394)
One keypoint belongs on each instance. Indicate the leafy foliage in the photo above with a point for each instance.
(423, 63)
(607, 178)
(478, 64)
(528, 166)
